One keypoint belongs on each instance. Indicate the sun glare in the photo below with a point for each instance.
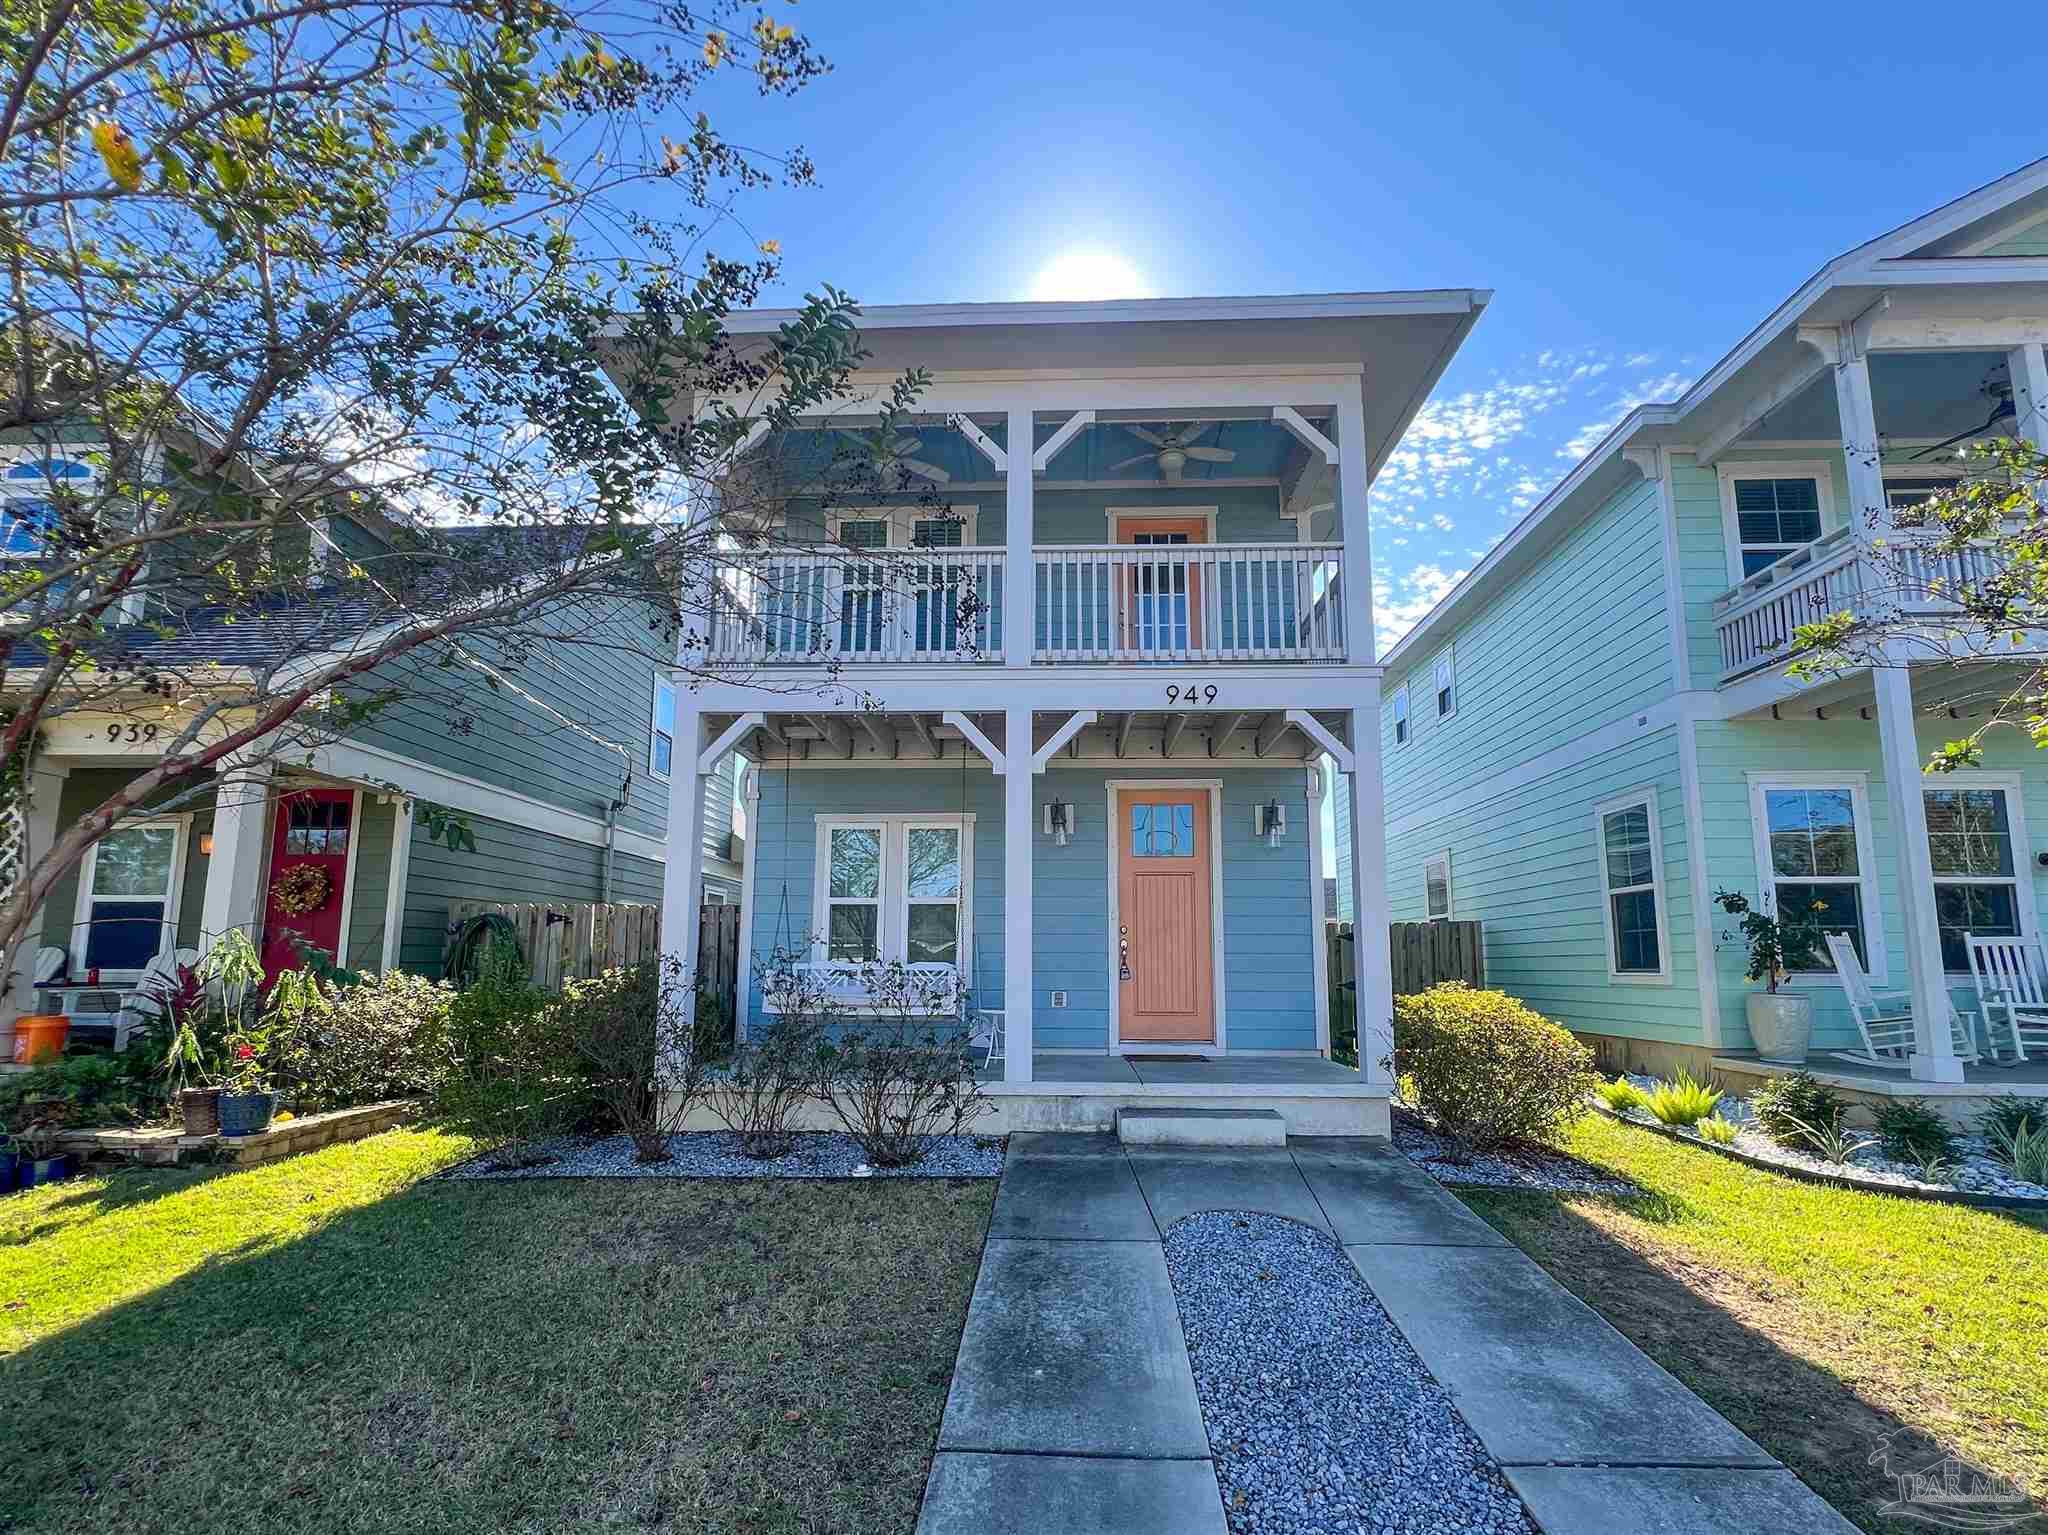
(1085, 274)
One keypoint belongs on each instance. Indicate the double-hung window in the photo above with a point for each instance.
(1446, 686)
(1814, 842)
(1436, 887)
(1401, 715)
(1632, 887)
(128, 897)
(894, 888)
(661, 742)
(1773, 514)
(1970, 838)
(28, 506)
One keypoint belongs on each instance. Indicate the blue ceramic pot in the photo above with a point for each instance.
(47, 1170)
(246, 1113)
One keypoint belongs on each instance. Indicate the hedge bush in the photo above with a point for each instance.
(380, 1039)
(1488, 1069)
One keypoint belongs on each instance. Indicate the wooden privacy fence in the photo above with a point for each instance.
(574, 940)
(1423, 953)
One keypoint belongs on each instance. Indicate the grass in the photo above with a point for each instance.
(329, 1343)
(1818, 1320)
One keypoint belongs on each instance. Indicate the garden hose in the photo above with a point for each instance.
(473, 940)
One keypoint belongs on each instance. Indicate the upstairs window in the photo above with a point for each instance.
(1773, 517)
(661, 749)
(27, 511)
(1446, 686)
(1401, 715)
(1436, 887)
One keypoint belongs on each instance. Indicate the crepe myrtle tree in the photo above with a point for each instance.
(440, 269)
(1976, 554)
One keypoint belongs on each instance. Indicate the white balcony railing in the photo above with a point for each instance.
(1092, 602)
(1757, 620)
(1180, 602)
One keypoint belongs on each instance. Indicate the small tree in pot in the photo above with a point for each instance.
(1780, 1023)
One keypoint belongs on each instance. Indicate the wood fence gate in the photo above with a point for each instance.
(575, 940)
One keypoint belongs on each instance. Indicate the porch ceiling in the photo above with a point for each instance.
(1959, 690)
(1919, 396)
(1139, 736)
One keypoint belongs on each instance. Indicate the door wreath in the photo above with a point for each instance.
(300, 890)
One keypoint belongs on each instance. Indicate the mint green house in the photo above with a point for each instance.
(1594, 732)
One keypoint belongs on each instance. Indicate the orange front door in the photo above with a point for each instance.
(1163, 597)
(312, 833)
(1166, 985)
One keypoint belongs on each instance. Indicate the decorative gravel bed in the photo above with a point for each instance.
(716, 1154)
(1529, 1167)
(1976, 1170)
(1320, 1417)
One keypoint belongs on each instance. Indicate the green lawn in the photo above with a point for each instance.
(1816, 1319)
(328, 1343)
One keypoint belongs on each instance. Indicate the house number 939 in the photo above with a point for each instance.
(1187, 697)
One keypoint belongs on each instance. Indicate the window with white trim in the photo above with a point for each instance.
(904, 527)
(1401, 715)
(894, 888)
(1632, 887)
(29, 488)
(661, 740)
(1774, 515)
(1976, 874)
(1446, 686)
(128, 897)
(1814, 847)
(1436, 887)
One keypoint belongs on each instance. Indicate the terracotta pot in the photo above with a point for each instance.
(1780, 1025)
(201, 1108)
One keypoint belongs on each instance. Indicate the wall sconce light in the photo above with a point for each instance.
(1269, 821)
(1059, 821)
(206, 844)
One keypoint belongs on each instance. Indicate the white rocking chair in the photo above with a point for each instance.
(2009, 988)
(1885, 1018)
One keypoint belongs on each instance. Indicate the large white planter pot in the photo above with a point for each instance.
(1780, 1026)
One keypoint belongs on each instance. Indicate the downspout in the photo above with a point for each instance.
(611, 827)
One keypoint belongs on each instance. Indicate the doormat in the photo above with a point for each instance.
(1160, 1059)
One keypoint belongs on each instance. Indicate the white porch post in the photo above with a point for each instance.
(1934, 1050)
(683, 872)
(1860, 448)
(1020, 580)
(1354, 527)
(2028, 366)
(241, 837)
(1375, 978)
(1018, 840)
(38, 830)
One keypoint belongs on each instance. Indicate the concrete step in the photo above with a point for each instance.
(1201, 1127)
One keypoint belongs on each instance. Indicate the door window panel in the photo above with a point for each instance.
(1163, 831)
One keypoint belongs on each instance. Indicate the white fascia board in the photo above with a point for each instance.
(1277, 306)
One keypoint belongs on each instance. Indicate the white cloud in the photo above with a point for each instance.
(1401, 603)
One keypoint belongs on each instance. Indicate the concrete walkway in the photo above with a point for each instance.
(1073, 1407)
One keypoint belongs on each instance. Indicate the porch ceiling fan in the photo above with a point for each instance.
(2000, 391)
(1174, 448)
(892, 459)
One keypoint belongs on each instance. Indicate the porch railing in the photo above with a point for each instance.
(1179, 602)
(925, 605)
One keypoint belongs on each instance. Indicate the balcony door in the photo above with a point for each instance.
(1162, 597)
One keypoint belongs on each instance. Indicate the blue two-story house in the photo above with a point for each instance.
(1594, 732)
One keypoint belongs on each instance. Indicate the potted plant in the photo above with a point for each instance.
(10, 1163)
(1780, 1022)
(42, 1162)
(246, 1100)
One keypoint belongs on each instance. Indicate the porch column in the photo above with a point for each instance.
(1020, 581)
(1018, 847)
(2028, 366)
(1355, 529)
(682, 880)
(1374, 987)
(1934, 1050)
(1860, 449)
(38, 830)
(241, 838)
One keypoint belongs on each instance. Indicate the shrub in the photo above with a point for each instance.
(2010, 1115)
(1796, 1111)
(762, 1084)
(86, 1091)
(1909, 1131)
(1621, 1095)
(385, 1038)
(649, 1062)
(513, 1073)
(1488, 1069)
(893, 1086)
(1683, 1102)
(1715, 1129)
(2023, 1148)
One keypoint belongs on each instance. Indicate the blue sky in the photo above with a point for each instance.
(1638, 185)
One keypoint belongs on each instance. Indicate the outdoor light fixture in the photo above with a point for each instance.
(1269, 821)
(206, 844)
(1059, 821)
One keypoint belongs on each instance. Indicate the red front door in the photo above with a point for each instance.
(312, 832)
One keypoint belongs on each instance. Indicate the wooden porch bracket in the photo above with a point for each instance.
(728, 738)
(980, 742)
(1071, 428)
(1224, 731)
(1075, 723)
(834, 734)
(1312, 727)
(1123, 730)
(1175, 725)
(1271, 729)
(983, 443)
(1308, 436)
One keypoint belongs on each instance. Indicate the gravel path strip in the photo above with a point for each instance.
(716, 1154)
(1321, 1419)
(1552, 1172)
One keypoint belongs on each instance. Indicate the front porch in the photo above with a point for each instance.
(1312, 1094)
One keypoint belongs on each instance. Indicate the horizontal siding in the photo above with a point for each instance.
(636, 879)
(1244, 513)
(511, 863)
(1525, 864)
(1269, 948)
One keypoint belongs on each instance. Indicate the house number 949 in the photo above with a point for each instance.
(1187, 697)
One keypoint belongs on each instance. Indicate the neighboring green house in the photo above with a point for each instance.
(1594, 733)
(559, 767)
